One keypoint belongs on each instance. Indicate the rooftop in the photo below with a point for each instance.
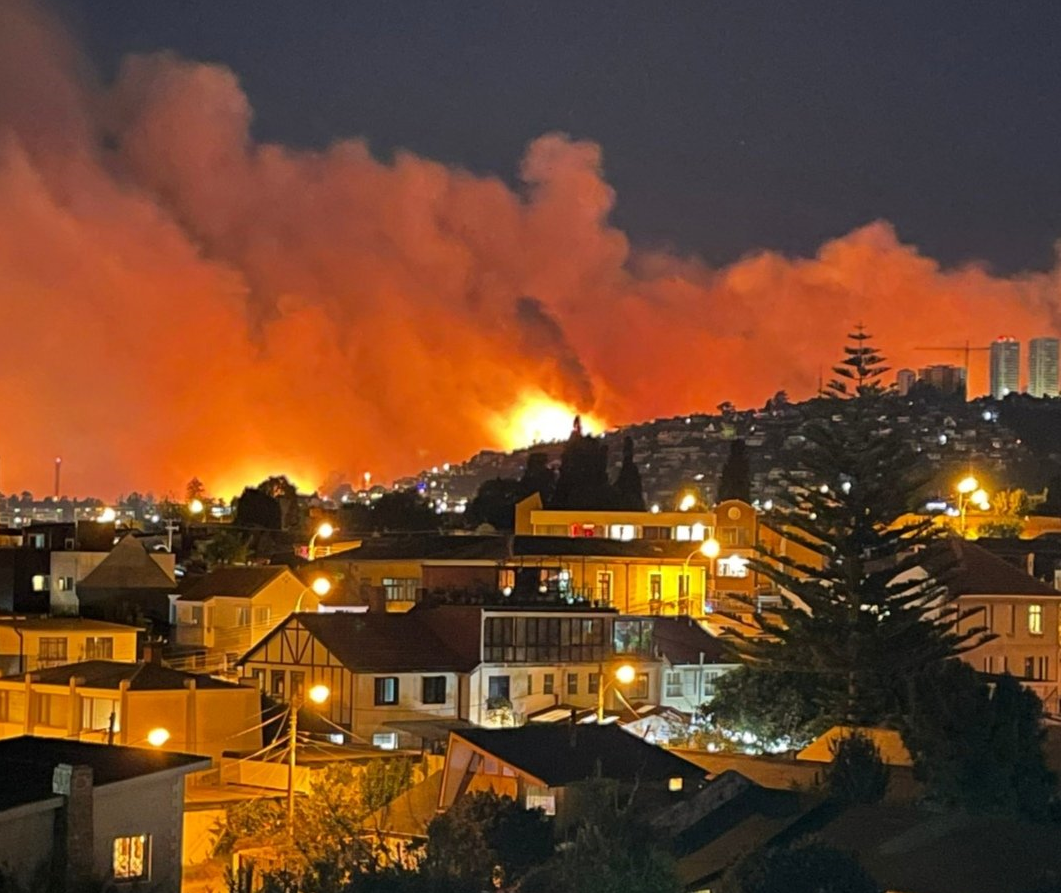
(27, 764)
(230, 582)
(561, 753)
(73, 624)
(110, 673)
(979, 572)
(683, 641)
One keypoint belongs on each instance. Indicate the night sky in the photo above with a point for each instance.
(726, 125)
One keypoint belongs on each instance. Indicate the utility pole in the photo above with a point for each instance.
(292, 743)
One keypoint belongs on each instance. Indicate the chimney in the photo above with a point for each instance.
(74, 832)
(153, 652)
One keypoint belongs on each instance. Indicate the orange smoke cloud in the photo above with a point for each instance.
(177, 299)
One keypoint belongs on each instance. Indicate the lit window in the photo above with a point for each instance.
(1035, 620)
(385, 740)
(386, 690)
(683, 533)
(624, 532)
(698, 532)
(545, 802)
(733, 566)
(674, 684)
(40, 583)
(130, 857)
(99, 648)
(674, 784)
(400, 589)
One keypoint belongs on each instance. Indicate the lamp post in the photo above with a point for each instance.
(624, 675)
(709, 548)
(969, 490)
(324, 530)
(321, 586)
(318, 694)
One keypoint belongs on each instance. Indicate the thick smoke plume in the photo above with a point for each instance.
(177, 299)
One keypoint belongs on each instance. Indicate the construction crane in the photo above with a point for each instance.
(964, 349)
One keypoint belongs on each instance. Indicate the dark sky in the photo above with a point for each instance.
(727, 125)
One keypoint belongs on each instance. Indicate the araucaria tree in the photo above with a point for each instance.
(869, 607)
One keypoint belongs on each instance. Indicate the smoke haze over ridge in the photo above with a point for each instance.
(177, 299)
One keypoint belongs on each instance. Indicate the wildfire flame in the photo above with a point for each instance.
(541, 419)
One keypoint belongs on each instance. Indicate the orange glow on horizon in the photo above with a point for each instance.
(540, 419)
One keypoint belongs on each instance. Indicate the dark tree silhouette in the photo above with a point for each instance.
(583, 479)
(735, 481)
(257, 509)
(629, 492)
(538, 478)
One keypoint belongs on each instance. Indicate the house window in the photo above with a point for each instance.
(276, 683)
(298, 683)
(545, 802)
(674, 684)
(262, 615)
(65, 584)
(96, 714)
(604, 587)
(548, 683)
(530, 684)
(655, 587)
(196, 615)
(51, 651)
(386, 690)
(99, 648)
(385, 740)
(733, 566)
(400, 589)
(41, 583)
(1044, 668)
(52, 710)
(1029, 668)
(498, 687)
(130, 857)
(258, 675)
(639, 688)
(594, 683)
(434, 690)
(1035, 620)
(243, 616)
(710, 683)
(572, 683)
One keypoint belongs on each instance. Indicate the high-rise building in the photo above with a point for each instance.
(904, 380)
(945, 378)
(1005, 367)
(1042, 367)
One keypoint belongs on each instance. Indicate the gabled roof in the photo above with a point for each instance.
(601, 547)
(128, 566)
(381, 643)
(27, 760)
(230, 582)
(559, 753)
(683, 641)
(65, 624)
(110, 673)
(979, 572)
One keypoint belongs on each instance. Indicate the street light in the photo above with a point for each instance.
(318, 694)
(321, 586)
(325, 530)
(158, 737)
(624, 675)
(969, 490)
(709, 548)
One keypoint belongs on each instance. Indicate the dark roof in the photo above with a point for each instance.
(681, 640)
(426, 546)
(386, 643)
(904, 848)
(109, 673)
(230, 582)
(979, 572)
(128, 566)
(27, 764)
(562, 753)
(499, 548)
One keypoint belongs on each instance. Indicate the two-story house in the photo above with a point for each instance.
(218, 616)
(485, 665)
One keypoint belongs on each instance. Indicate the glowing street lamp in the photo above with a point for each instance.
(688, 502)
(623, 675)
(158, 737)
(317, 694)
(320, 586)
(709, 548)
(325, 530)
(969, 490)
(196, 507)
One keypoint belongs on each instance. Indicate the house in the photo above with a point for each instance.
(103, 701)
(693, 662)
(536, 765)
(1023, 614)
(488, 666)
(129, 583)
(73, 813)
(220, 615)
(32, 643)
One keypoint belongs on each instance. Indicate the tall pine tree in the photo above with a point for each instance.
(629, 492)
(735, 481)
(862, 614)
